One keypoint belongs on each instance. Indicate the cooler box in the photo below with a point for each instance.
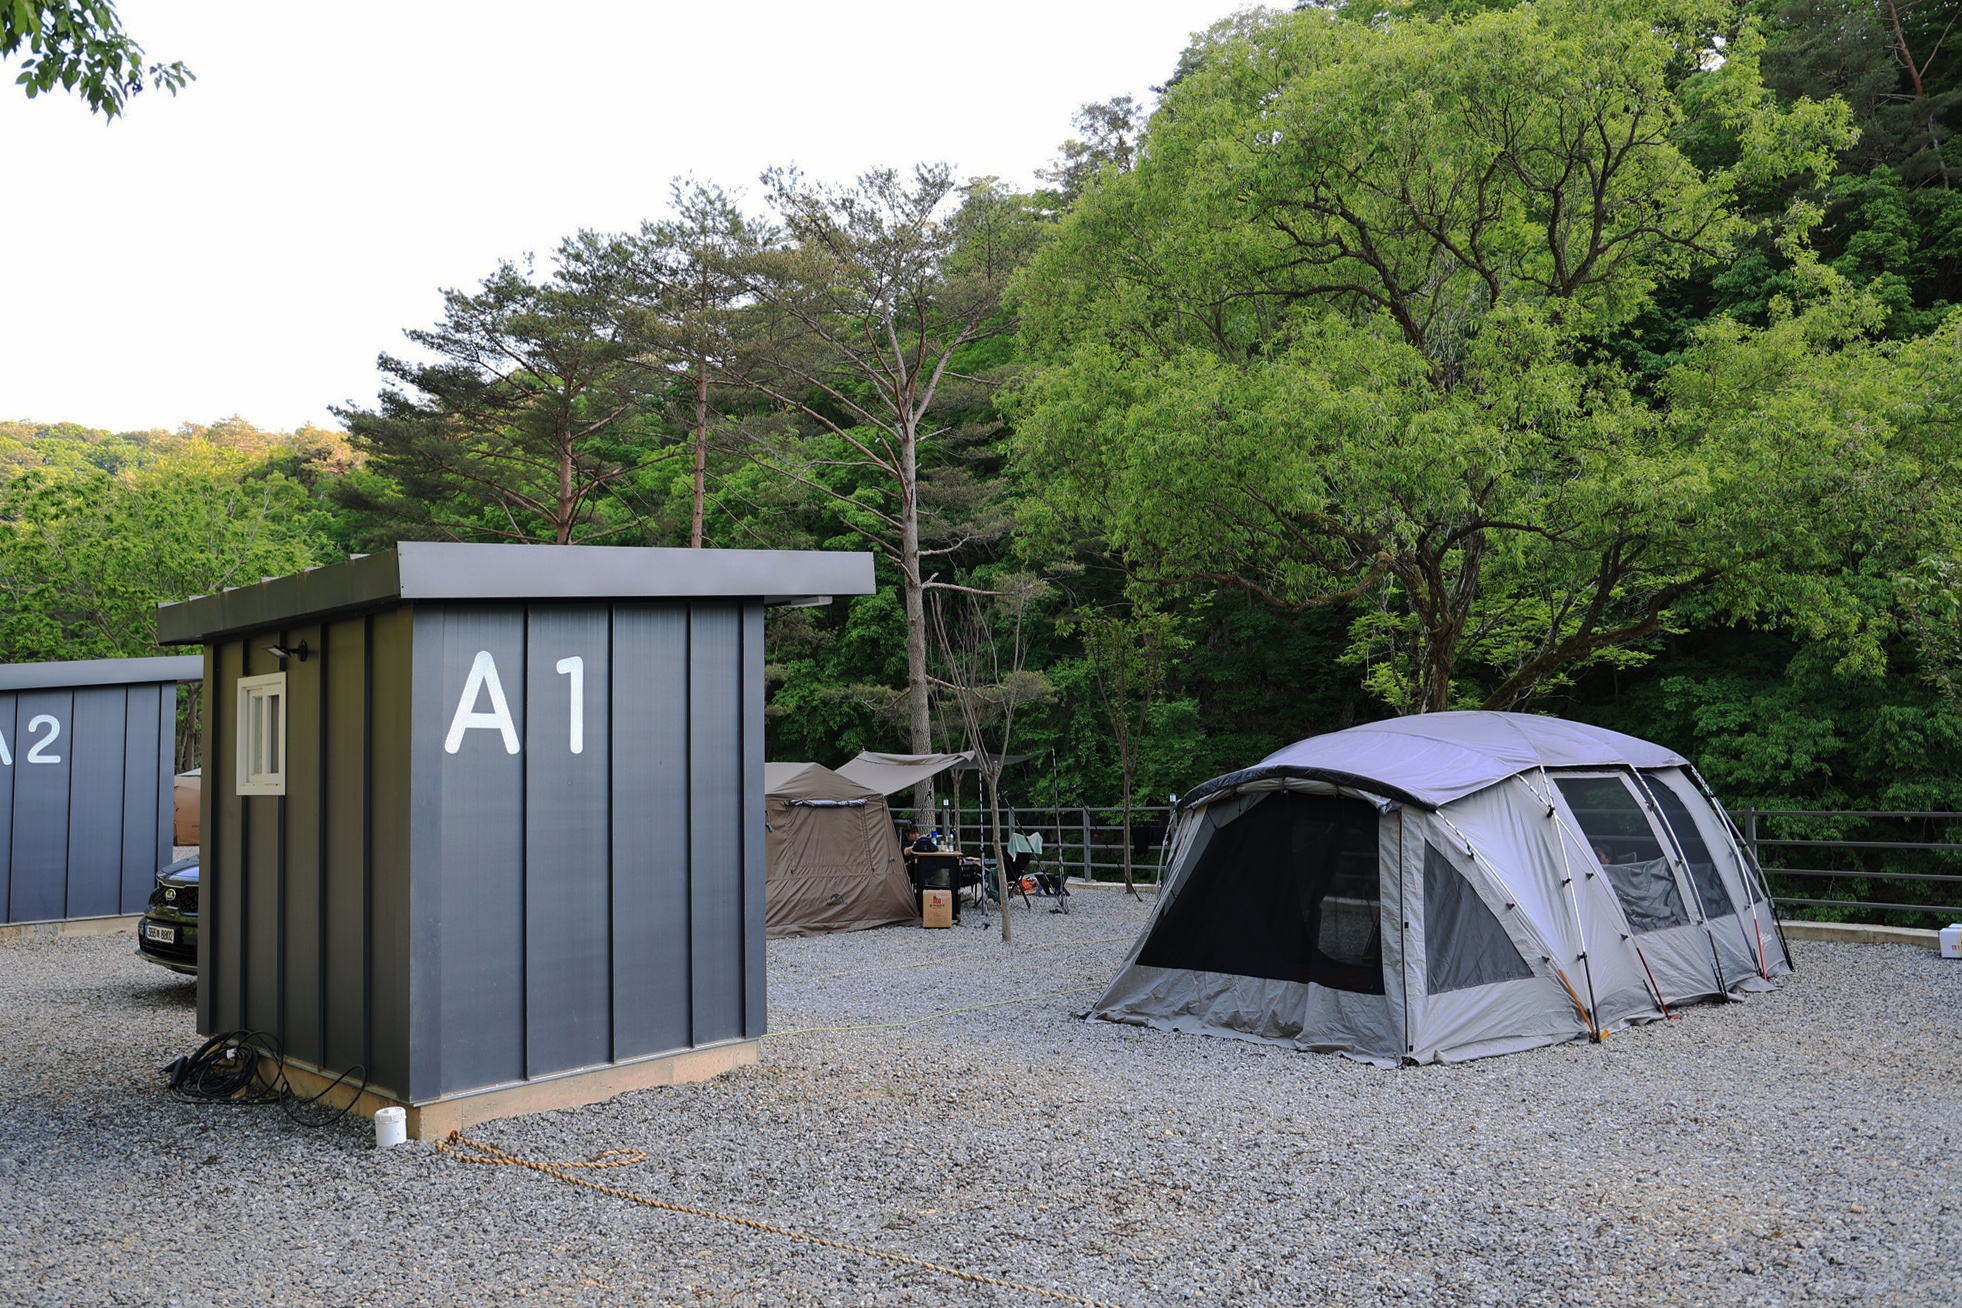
(1952, 941)
(937, 908)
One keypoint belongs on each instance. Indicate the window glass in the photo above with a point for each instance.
(1704, 876)
(262, 735)
(1618, 831)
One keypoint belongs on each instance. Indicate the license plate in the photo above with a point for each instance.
(163, 935)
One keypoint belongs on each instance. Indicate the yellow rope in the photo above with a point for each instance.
(915, 1021)
(627, 1157)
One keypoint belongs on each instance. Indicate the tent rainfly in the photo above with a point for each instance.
(831, 855)
(1447, 886)
(889, 773)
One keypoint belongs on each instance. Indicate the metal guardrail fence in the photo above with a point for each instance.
(1928, 864)
(1089, 844)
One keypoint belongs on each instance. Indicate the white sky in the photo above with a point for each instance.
(249, 246)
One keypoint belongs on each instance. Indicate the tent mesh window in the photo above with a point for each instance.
(1289, 891)
(1464, 945)
(1625, 845)
(1703, 869)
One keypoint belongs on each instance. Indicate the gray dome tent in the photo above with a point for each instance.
(1447, 886)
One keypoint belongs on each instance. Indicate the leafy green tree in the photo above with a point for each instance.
(857, 322)
(534, 422)
(1334, 341)
(1892, 62)
(86, 556)
(1128, 660)
(1107, 137)
(81, 44)
(990, 684)
(691, 268)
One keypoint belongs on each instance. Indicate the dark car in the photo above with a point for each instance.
(168, 934)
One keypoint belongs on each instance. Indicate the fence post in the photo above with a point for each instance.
(1751, 835)
(1084, 815)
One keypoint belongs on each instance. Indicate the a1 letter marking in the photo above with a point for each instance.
(575, 668)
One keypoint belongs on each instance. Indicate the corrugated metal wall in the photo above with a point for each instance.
(288, 942)
(588, 899)
(85, 802)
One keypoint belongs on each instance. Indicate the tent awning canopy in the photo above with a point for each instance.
(887, 773)
(1430, 759)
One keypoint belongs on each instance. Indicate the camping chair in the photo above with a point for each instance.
(1049, 882)
(1053, 882)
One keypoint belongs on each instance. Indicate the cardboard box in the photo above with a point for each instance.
(1952, 941)
(937, 908)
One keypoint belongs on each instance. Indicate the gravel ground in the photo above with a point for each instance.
(1798, 1148)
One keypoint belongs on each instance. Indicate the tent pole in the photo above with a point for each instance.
(1590, 1017)
(1653, 987)
(1403, 938)
(1573, 899)
(1684, 884)
(1748, 865)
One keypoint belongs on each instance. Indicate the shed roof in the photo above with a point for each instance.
(1433, 758)
(440, 570)
(101, 672)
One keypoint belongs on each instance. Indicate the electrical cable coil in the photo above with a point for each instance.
(249, 1067)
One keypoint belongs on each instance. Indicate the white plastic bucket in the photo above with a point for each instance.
(391, 1127)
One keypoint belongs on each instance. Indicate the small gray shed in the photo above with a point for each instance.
(85, 782)
(487, 820)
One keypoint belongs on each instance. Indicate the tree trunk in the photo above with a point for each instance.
(918, 690)
(563, 526)
(993, 779)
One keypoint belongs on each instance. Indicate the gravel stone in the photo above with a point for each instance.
(1797, 1148)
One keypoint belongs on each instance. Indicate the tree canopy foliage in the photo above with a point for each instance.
(81, 44)
(1337, 340)
(532, 422)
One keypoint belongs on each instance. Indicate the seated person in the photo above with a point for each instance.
(915, 843)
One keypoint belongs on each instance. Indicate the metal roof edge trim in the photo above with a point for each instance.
(439, 570)
(101, 672)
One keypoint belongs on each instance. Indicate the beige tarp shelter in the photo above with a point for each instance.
(887, 773)
(832, 856)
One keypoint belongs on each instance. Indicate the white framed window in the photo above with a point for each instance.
(262, 734)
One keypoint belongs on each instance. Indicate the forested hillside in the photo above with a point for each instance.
(1578, 357)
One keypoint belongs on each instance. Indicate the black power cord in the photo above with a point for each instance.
(249, 1067)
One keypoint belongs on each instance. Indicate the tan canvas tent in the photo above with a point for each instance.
(832, 856)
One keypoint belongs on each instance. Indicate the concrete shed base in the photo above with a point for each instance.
(74, 926)
(438, 1117)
